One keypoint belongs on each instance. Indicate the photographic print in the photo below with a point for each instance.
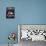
(10, 12)
(28, 34)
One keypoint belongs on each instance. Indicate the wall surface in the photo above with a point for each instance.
(27, 12)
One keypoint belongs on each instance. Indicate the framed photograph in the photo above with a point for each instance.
(10, 12)
(33, 32)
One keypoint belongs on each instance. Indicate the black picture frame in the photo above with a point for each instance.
(10, 12)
